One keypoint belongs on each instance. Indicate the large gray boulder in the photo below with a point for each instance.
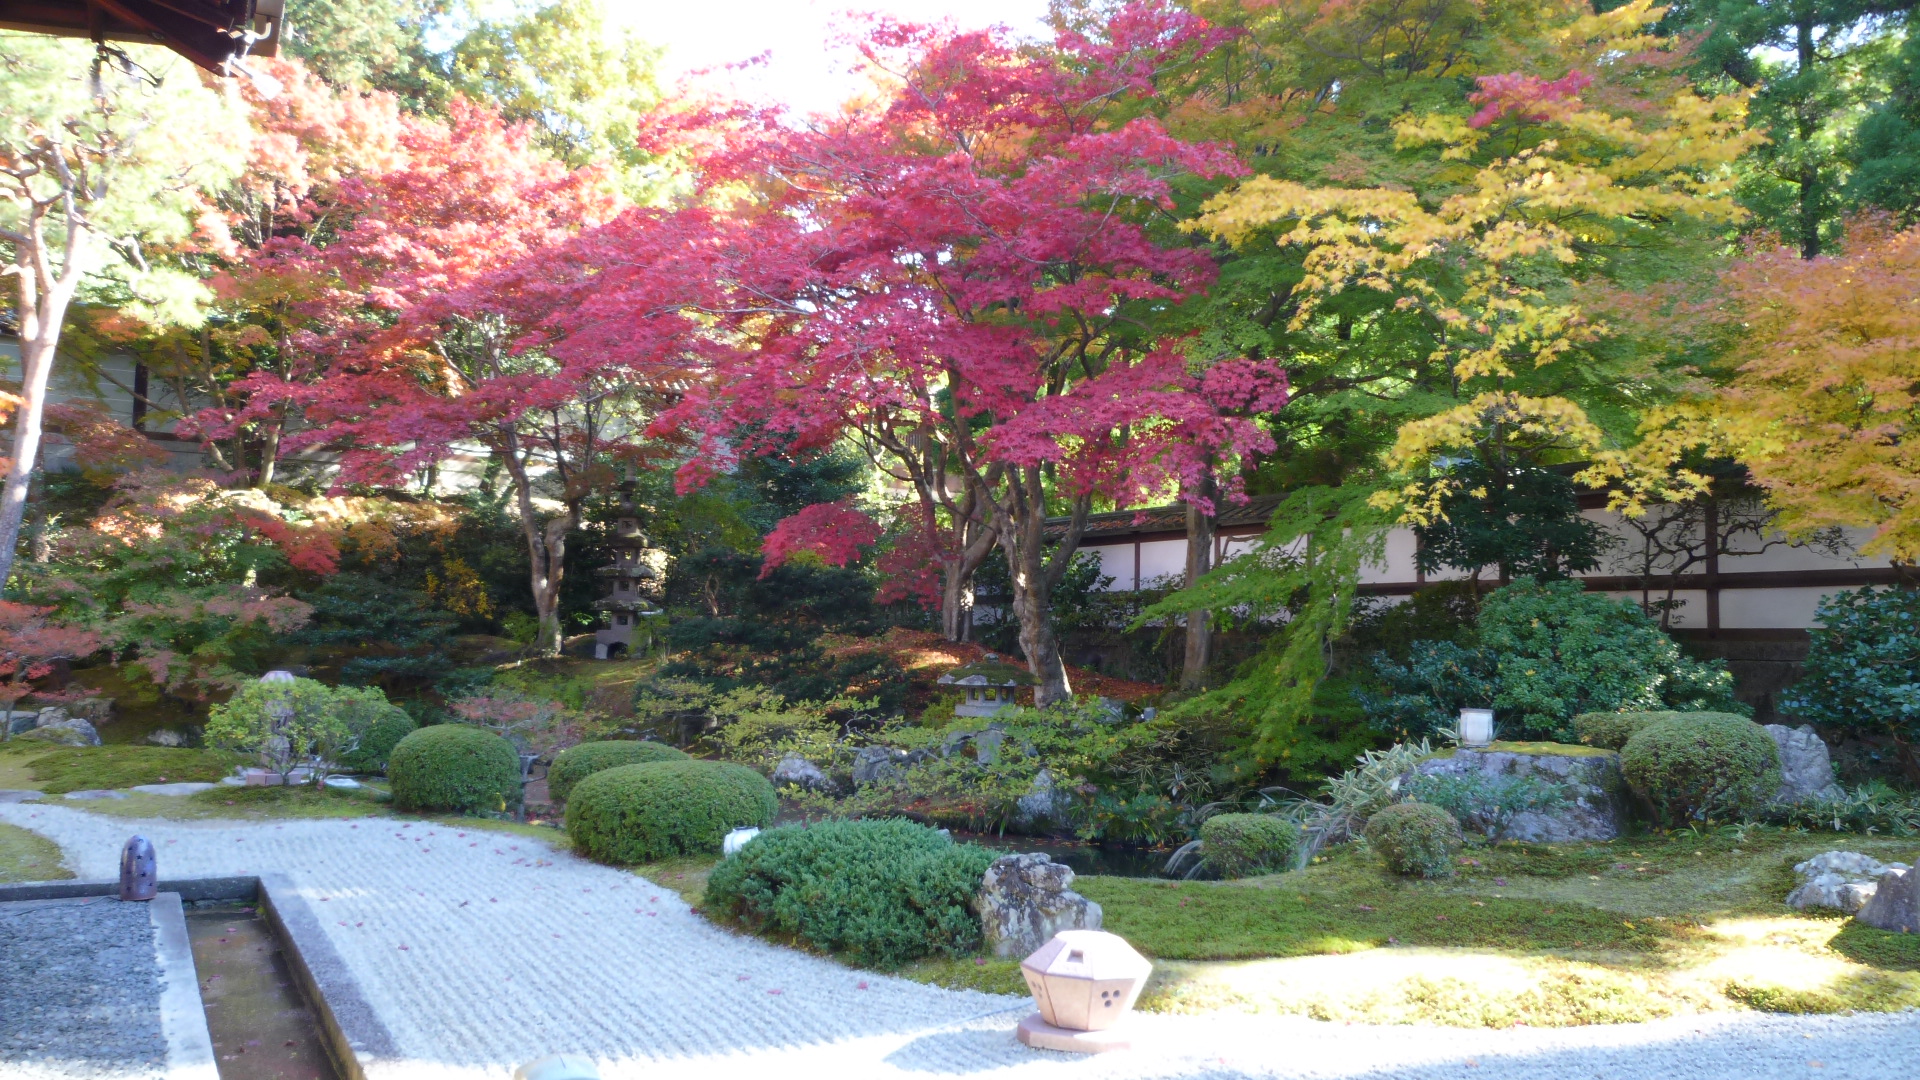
(1025, 900)
(1043, 807)
(798, 772)
(1595, 804)
(1838, 880)
(1895, 904)
(873, 764)
(1806, 769)
(64, 731)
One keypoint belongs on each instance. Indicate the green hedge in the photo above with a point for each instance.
(1611, 730)
(578, 763)
(454, 767)
(1243, 845)
(1415, 839)
(380, 732)
(640, 813)
(1691, 766)
(880, 893)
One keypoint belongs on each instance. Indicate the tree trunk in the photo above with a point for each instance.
(1199, 653)
(957, 570)
(546, 549)
(1020, 525)
(40, 316)
(270, 452)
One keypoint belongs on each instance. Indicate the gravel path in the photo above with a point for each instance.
(481, 950)
(79, 991)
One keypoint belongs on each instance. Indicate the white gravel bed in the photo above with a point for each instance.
(482, 949)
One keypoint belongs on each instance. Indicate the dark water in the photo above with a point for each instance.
(262, 1028)
(1082, 858)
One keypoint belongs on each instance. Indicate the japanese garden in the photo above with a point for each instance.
(562, 540)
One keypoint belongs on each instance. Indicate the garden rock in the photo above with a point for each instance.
(797, 771)
(64, 731)
(1840, 880)
(1044, 805)
(166, 737)
(1594, 808)
(876, 763)
(1806, 769)
(1025, 900)
(1895, 904)
(982, 746)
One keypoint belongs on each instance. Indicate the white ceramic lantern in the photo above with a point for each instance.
(1085, 982)
(1476, 727)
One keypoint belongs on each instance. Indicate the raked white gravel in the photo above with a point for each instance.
(482, 949)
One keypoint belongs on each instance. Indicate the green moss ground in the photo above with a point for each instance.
(28, 856)
(60, 769)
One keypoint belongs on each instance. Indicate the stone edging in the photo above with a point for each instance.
(183, 1019)
(353, 1033)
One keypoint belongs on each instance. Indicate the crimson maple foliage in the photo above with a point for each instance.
(957, 277)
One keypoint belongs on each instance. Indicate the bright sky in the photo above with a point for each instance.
(800, 71)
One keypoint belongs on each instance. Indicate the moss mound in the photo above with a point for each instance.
(1243, 845)
(639, 813)
(871, 892)
(576, 764)
(1612, 730)
(1692, 766)
(1415, 839)
(454, 767)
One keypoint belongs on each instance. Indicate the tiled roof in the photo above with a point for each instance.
(1167, 519)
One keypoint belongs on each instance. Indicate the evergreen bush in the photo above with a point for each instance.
(454, 767)
(377, 726)
(1692, 766)
(1244, 845)
(577, 763)
(1860, 669)
(1415, 839)
(1611, 730)
(654, 810)
(871, 892)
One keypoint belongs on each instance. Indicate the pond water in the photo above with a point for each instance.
(1082, 858)
(262, 1027)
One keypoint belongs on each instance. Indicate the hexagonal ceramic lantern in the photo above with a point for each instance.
(1084, 981)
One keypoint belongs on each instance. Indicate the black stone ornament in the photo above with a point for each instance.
(139, 879)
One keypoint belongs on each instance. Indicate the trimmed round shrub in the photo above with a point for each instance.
(1243, 845)
(378, 727)
(577, 763)
(454, 767)
(880, 893)
(1691, 766)
(1415, 839)
(1611, 730)
(640, 813)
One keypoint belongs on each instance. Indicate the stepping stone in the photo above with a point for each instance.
(95, 793)
(182, 787)
(17, 795)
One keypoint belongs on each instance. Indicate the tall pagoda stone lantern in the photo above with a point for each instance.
(636, 578)
(990, 684)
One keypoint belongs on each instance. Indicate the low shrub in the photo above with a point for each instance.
(654, 810)
(1611, 730)
(1488, 803)
(377, 726)
(1690, 766)
(577, 763)
(1415, 839)
(879, 893)
(1243, 845)
(454, 767)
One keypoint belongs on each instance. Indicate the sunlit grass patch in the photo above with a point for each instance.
(28, 856)
(60, 769)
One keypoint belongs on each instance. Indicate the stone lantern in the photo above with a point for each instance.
(1085, 982)
(990, 685)
(637, 576)
(139, 877)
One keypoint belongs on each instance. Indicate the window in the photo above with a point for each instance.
(620, 619)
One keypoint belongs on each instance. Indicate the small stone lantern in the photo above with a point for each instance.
(139, 877)
(990, 685)
(1085, 982)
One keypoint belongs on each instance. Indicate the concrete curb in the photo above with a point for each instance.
(355, 1037)
(182, 1017)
